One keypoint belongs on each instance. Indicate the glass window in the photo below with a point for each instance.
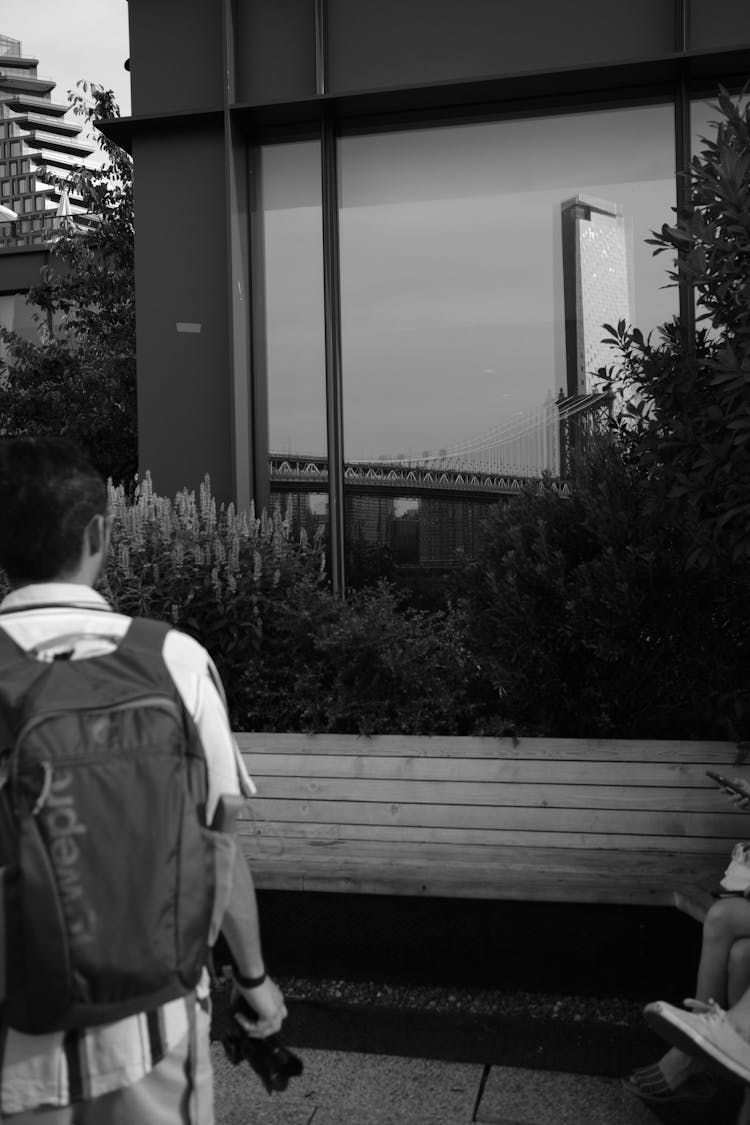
(293, 340)
(13, 169)
(453, 271)
(478, 264)
(16, 148)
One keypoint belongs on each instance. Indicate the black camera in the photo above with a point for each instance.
(270, 1058)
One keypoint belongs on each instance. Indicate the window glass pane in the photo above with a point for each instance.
(452, 266)
(294, 329)
(466, 306)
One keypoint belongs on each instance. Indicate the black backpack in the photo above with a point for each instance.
(107, 862)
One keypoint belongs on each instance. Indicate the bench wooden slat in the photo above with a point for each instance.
(549, 874)
(559, 749)
(727, 826)
(493, 794)
(505, 770)
(270, 834)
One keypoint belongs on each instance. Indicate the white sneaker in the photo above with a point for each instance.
(706, 1033)
(737, 875)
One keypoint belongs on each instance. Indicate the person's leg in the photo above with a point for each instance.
(727, 922)
(744, 1116)
(178, 1091)
(725, 957)
(707, 1032)
(725, 954)
(738, 971)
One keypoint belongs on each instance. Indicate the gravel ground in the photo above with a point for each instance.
(471, 1001)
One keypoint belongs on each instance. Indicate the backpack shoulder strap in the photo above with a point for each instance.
(144, 639)
(145, 635)
(10, 650)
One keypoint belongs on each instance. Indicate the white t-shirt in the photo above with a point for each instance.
(62, 1067)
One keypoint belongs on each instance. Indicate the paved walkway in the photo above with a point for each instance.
(350, 1088)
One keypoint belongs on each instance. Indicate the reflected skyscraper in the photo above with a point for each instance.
(596, 285)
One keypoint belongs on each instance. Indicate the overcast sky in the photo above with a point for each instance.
(73, 39)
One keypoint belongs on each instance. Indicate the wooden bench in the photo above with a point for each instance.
(561, 820)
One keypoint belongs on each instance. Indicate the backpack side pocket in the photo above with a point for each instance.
(39, 972)
(224, 850)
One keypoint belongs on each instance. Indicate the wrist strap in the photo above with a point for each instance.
(249, 982)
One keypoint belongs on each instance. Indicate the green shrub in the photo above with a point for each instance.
(369, 665)
(586, 620)
(687, 403)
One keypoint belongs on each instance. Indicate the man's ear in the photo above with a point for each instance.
(107, 522)
(95, 534)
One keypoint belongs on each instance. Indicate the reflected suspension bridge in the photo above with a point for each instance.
(501, 461)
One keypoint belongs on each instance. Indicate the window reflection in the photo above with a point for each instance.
(304, 512)
(293, 333)
(478, 265)
(294, 328)
(455, 271)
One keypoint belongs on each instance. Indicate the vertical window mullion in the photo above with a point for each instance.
(332, 316)
(683, 155)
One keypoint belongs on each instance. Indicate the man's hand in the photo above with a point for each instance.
(268, 1002)
(741, 799)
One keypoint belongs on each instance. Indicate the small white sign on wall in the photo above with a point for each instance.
(183, 326)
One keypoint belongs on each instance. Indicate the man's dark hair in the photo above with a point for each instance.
(49, 492)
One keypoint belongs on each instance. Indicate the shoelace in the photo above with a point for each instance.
(711, 1011)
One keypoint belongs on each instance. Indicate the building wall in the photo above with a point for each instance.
(230, 73)
(393, 43)
(176, 60)
(180, 249)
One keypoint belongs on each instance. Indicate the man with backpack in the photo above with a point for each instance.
(116, 756)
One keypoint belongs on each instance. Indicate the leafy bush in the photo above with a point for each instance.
(687, 403)
(368, 665)
(210, 572)
(587, 622)
(291, 655)
(77, 378)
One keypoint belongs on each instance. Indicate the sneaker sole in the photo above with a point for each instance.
(696, 1045)
(674, 1097)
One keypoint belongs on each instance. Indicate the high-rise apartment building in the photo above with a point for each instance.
(596, 285)
(34, 136)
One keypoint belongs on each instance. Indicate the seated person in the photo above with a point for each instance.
(723, 978)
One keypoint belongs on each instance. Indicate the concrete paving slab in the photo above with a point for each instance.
(347, 1088)
(516, 1096)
